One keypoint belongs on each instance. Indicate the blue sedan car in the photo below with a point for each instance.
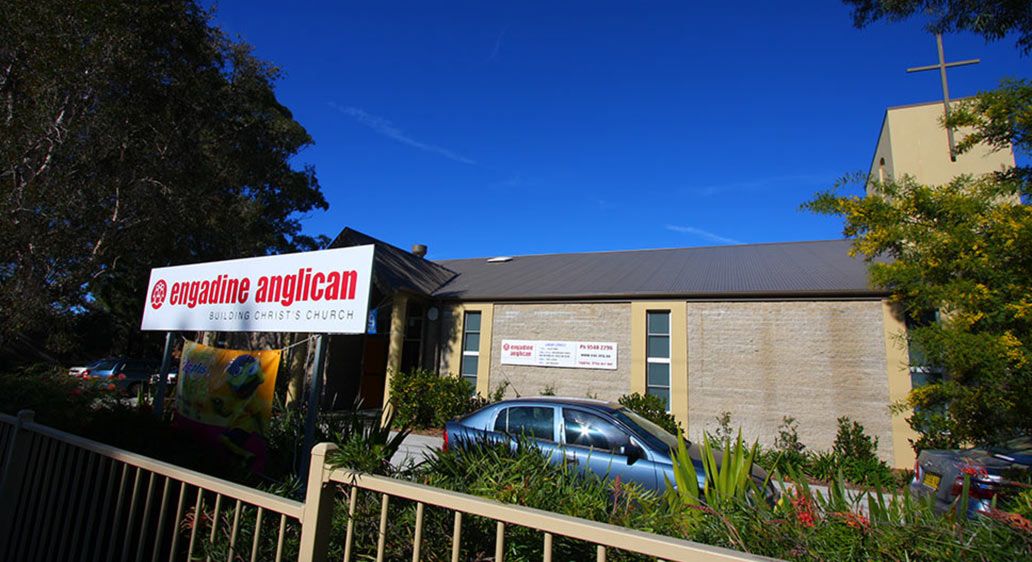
(602, 437)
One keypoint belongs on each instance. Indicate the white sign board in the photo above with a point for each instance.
(324, 292)
(571, 354)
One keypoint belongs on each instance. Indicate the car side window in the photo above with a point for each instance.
(588, 430)
(531, 421)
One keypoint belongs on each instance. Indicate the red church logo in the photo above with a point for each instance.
(157, 296)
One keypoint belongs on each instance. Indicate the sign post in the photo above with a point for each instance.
(166, 363)
(312, 412)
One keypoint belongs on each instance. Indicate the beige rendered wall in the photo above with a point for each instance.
(882, 153)
(916, 145)
(451, 341)
(598, 322)
(814, 361)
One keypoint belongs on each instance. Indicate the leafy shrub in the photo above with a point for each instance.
(524, 476)
(805, 525)
(58, 399)
(365, 445)
(852, 442)
(788, 436)
(423, 399)
(498, 394)
(651, 408)
(789, 453)
(857, 455)
(723, 431)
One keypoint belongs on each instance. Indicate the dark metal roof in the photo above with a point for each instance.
(395, 269)
(785, 270)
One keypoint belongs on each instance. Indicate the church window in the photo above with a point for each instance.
(470, 347)
(657, 357)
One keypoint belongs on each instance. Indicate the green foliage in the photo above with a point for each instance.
(651, 408)
(364, 444)
(1021, 503)
(851, 441)
(788, 453)
(724, 432)
(133, 135)
(727, 476)
(788, 436)
(518, 475)
(1001, 119)
(853, 457)
(97, 410)
(548, 390)
(806, 525)
(992, 19)
(522, 475)
(959, 248)
(498, 394)
(423, 399)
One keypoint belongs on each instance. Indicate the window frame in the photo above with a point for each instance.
(556, 426)
(631, 437)
(649, 359)
(476, 353)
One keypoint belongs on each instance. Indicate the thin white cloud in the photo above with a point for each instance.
(385, 128)
(704, 234)
(498, 44)
(759, 183)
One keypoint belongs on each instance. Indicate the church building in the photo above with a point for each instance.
(762, 331)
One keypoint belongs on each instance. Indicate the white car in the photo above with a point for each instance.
(171, 377)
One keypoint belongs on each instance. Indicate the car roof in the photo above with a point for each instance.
(563, 400)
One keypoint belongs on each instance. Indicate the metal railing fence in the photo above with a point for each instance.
(63, 497)
(340, 486)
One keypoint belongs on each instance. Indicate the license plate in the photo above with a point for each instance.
(931, 480)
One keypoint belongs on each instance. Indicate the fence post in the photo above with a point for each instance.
(17, 460)
(317, 518)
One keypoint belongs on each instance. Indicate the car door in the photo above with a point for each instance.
(533, 422)
(597, 444)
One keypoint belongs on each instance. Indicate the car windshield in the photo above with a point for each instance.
(1019, 445)
(102, 364)
(653, 430)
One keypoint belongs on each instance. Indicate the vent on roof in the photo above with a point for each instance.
(499, 259)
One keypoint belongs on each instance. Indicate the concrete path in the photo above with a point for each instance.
(415, 447)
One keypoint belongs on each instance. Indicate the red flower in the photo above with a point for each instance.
(111, 386)
(804, 508)
(1014, 520)
(121, 376)
(76, 392)
(854, 520)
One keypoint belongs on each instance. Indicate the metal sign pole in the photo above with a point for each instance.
(312, 413)
(166, 362)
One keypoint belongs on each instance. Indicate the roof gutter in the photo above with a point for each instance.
(717, 296)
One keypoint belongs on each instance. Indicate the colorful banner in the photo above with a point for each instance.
(225, 396)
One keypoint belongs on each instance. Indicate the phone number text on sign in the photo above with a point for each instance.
(568, 354)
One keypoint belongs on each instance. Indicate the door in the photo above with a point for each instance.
(598, 445)
(536, 423)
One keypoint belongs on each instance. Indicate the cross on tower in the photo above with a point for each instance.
(942, 66)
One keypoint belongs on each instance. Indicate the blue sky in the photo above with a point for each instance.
(504, 128)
